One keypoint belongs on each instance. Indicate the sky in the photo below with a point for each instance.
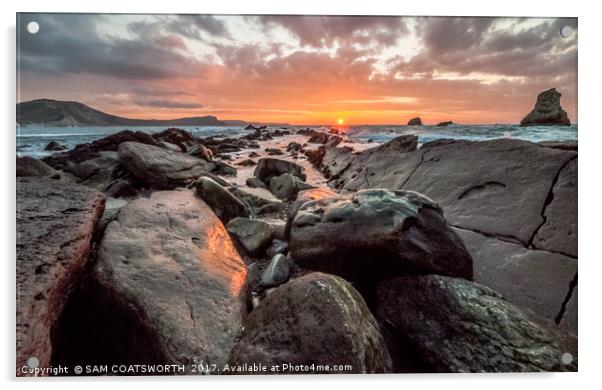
(299, 69)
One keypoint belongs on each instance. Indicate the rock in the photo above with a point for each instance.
(255, 235)
(269, 167)
(121, 189)
(533, 279)
(562, 145)
(373, 234)
(29, 166)
(168, 146)
(258, 200)
(278, 225)
(286, 186)
(446, 123)
(160, 168)
(558, 233)
(278, 246)
(274, 152)
(55, 224)
(568, 321)
(183, 139)
(224, 204)
(215, 178)
(415, 122)
(453, 325)
(316, 319)
(253, 154)
(547, 111)
(246, 163)
(55, 146)
(294, 147)
(96, 172)
(254, 182)
(169, 262)
(200, 151)
(221, 168)
(278, 271)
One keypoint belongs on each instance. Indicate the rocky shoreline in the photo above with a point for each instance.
(299, 247)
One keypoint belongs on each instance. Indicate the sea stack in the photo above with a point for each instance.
(547, 111)
(415, 122)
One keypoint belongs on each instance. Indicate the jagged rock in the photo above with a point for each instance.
(415, 122)
(453, 325)
(29, 166)
(160, 168)
(258, 200)
(533, 279)
(55, 224)
(168, 265)
(278, 246)
(224, 204)
(221, 168)
(169, 146)
(559, 230)
(55, 146)
(269, 167)
(547, 111)
(254, 182)
(277, 272)
(254, 234)
(373, 234)
(286, 186)
(446, 123)
(316, 318)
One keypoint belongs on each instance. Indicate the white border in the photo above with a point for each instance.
(590, 130)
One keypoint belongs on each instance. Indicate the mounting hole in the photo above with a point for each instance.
(33, 27)
(566, 358)
(566, 31)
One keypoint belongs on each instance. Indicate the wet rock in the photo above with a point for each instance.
(55, 224)
(179, 137)
(29, 166)
(254, 234)
(55, 146)
(278, 246)
(254, 182)
(200, 151)
(221, 168)
(373, 234)
(223, 203)
(453, 325)
(160, 168)
(97, 172)
(286, 186)
(169, 146)
(415, 122)
(278, 271)
(302, 321)
(246, 163)
(269, 167)
(547, 111)
(165, 261)
(121, 189)
(215, 178)
(444, 124)
(258, 200)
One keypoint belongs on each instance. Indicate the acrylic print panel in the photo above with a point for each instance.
(211, 194)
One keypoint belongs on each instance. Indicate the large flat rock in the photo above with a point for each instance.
(55, 224)
(169, 261)
(534, 279)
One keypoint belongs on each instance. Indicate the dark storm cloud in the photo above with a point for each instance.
(71, 43)
(167, 104)
(325, 30)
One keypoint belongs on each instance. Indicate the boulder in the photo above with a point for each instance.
(547, 111)
(169, 266)
(278, 246)
(160, 168)
(415, 122)
(96, 172)
(224, 204)
(255, 235)
(316, 319)
(215, 178)
(221, 168)
(29, 166)
(286, 186)
(454, 325)
(56, 220)
(278, 271)
(183, 139)
(55, 146)
(445, 123)
(373, 234)
(169, 146)
(258, 200)
(121, 189)
(562, 145)
(200, 151)
(246, 163)
(269, 167)
(254, 182)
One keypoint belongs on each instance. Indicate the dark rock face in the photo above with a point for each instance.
(267, 168)
(55, 146)
(97, 172)
(174, 136)
(547, 111)
(223, 203)
(169, 263)
(445, 123)
(29, 166)
(415, 122)
(317, 318)
(453, 325)
(55, 223)
(373, 234)
(160, 168)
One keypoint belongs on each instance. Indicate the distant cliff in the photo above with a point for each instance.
(62, 113)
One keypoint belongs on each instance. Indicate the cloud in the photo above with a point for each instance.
(192, 26)
(167, 104)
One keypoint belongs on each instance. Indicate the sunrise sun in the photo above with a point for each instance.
(340, 121)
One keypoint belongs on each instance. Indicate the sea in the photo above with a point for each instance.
(31, 140)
